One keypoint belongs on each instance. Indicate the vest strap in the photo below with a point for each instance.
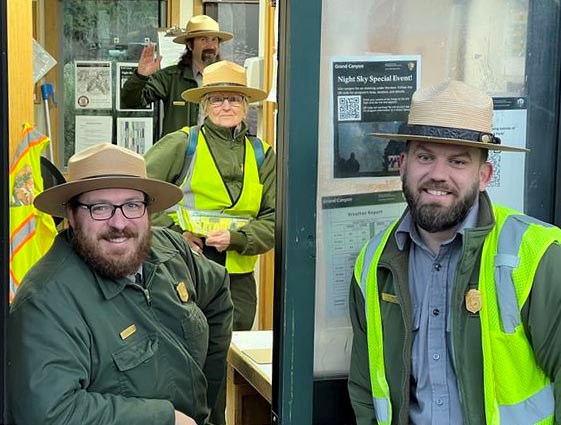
(192, 142)
(258, 149)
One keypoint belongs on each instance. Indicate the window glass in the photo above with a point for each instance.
(103, 32)
(481, 42)
(242, 20)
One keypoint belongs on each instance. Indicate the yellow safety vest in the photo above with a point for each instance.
(510, 257)
(204, 191)
(32, 232)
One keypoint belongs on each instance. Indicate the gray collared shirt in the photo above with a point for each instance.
(434, 391)
(198, 76)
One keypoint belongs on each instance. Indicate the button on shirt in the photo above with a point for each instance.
(434, 390)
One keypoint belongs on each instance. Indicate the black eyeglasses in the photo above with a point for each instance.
(100, 212)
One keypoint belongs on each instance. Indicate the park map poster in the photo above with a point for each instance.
(370, 95)
(93, 85)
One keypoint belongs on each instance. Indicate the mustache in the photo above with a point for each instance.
(208, 52)
(437, 185)
(114, 234)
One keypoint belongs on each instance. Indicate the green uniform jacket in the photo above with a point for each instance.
(165, 161)
(167, 85)
(541, 316)
(70, 362)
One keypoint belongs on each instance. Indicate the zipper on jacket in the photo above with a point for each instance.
(145, 291)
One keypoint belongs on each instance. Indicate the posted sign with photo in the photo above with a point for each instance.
(370, 95)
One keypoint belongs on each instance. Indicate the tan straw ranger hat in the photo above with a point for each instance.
(224, 76)
(106, 166)
(452, 113)
(202, 26)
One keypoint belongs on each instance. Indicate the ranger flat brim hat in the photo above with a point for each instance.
(202, 26)
(224, 76)
(452, 113)
(107, 166)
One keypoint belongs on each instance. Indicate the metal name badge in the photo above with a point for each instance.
(128, 332)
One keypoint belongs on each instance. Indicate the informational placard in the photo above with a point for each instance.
(171, 52)
(93, 88)
(370, 95)
(349, 222)
(135, 133)
(92, 130)
(509, 123)
(124, 71)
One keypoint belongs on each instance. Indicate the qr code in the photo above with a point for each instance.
(495, 160)
(348, 108)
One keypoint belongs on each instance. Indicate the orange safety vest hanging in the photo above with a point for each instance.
(32, 232)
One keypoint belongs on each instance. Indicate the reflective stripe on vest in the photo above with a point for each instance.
(204, 189)
(32, 232)
(519, 243)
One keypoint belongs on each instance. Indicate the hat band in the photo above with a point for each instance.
(453, 133)
(104, 176)
(195, 32)
(225, 83)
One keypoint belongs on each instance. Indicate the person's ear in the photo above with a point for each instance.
(70, 215)
(485, 175)
(402, 165)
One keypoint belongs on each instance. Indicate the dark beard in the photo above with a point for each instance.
(208, 56)
(434, 218)
(186, 60)
(112, 268)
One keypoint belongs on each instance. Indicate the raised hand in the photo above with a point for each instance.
(148, 64)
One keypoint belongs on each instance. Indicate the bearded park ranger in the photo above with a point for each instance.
(117, 324)
(202, 39)
(456, 307)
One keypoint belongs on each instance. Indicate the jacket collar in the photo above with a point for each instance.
(225, 134)
(187, 72)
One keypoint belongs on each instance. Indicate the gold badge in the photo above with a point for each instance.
(473, 300)
(182, 292)
(128, 332)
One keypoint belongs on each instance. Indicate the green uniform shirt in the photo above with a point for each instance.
(167, 85)
(88, 350)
